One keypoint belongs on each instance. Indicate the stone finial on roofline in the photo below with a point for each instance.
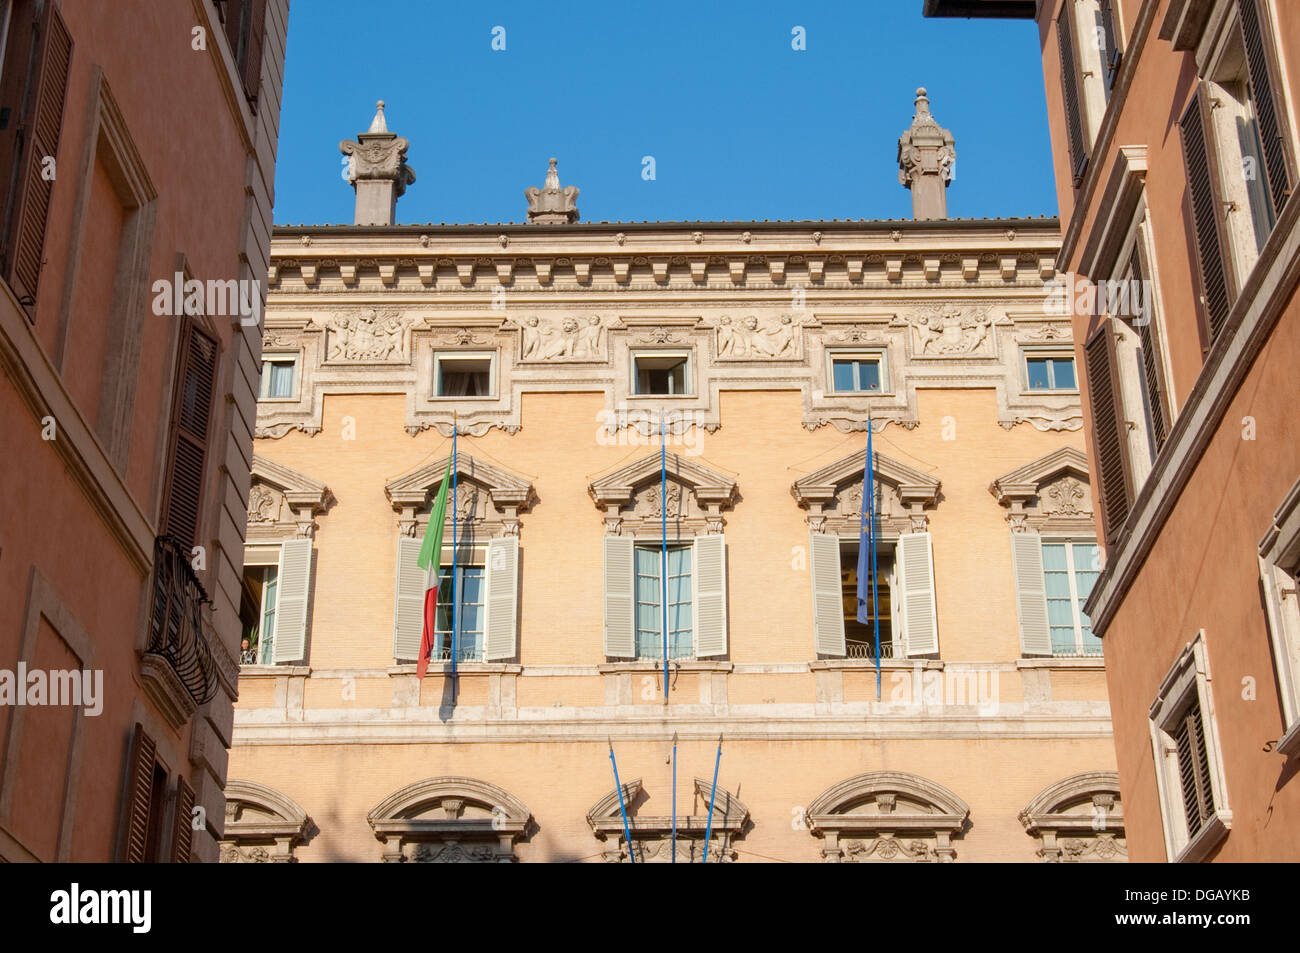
(926, 157)
(377, 170)
(552, 204)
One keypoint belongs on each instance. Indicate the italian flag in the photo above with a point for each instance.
(430, 557)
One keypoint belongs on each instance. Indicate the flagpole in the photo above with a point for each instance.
(674, 860)
(708, 829)
(455, 580)
(663, 542)
(627, 834)
(875, 594)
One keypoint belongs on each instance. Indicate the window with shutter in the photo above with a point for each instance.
(915, 561)
(1108, 432)
(408, 611)
(620, 597)
(1071, 94)
(36, 142)
(140, 808)
(1031, 595)
(1193, 769)
(292, 592)
(1203, 196)
(502, 623)
(191, 416)
(251, 64)
(828, 610)
(1112, 55)
(1152, 373)
(710, 581)
(183, 823)
(1265, 95)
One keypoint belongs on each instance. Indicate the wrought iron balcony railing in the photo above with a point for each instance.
(868, 650)
(176, 620)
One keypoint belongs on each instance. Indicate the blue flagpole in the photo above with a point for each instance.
(708, 828)
(627, 834)
(875, 594)
(674, 860)
(455, 581)
(663, 545)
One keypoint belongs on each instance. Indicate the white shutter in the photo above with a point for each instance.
(502, 599)
(916, 566)
(408, 611)
(620, 597)
(1031, 593)
(828, 598)
(709, 580)
(289, 641)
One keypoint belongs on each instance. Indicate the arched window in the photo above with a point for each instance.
(888, 816)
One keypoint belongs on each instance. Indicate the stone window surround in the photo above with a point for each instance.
(405, 837)
(44, 601)
(109, 142)
(879, 354)
(1279, 565)
(1046, 820)
(284, 355)
(828, 816)
(1036, 351)
(242, 841)
(491, 355)
(688, 375)
(1189, 676)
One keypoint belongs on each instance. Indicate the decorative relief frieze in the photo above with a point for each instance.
(759, 338)
(950, 330)
(366, 337)
(557, 340)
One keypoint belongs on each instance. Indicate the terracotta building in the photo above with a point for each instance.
(133, 252)
(1174, 131)
(662, 412)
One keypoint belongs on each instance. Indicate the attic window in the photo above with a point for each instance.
(464, 375)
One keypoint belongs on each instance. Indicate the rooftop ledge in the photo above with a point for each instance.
(836, 224)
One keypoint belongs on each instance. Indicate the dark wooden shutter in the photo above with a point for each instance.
(1114, 55)
(251, 66)
(195, 378)
(1070, 92)
(1151, 371)
(183, 826)
(1266, 104)
(1108, 432)
(40, 132)
(1203, 192)
(139, 795)
(232, 18)
(1194, 769)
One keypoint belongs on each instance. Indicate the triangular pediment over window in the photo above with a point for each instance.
(833, 495)
(1054, 490)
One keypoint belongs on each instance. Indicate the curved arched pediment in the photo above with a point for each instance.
(652, 833)
(887, 815)
(450, 819)
(1053, 490)
(833, 495)
(1078, 819)
(261, 824)
(696, 495)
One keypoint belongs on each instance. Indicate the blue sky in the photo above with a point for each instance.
(740, 125)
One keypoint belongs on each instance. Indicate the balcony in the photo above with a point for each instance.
(868, 649)
(177, 667)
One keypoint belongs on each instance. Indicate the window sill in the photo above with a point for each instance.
(866, 664)
(256, 671)
(463, 398)
(1289, 744)
(657, 665)
(1097, 664)
(462, 668)
(1208, 837)
(661, 396)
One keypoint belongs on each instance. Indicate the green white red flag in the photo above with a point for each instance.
(429, 560)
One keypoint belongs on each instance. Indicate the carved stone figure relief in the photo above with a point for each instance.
(754, 338)
(951, 330)
(367, 336)
(562, 339)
